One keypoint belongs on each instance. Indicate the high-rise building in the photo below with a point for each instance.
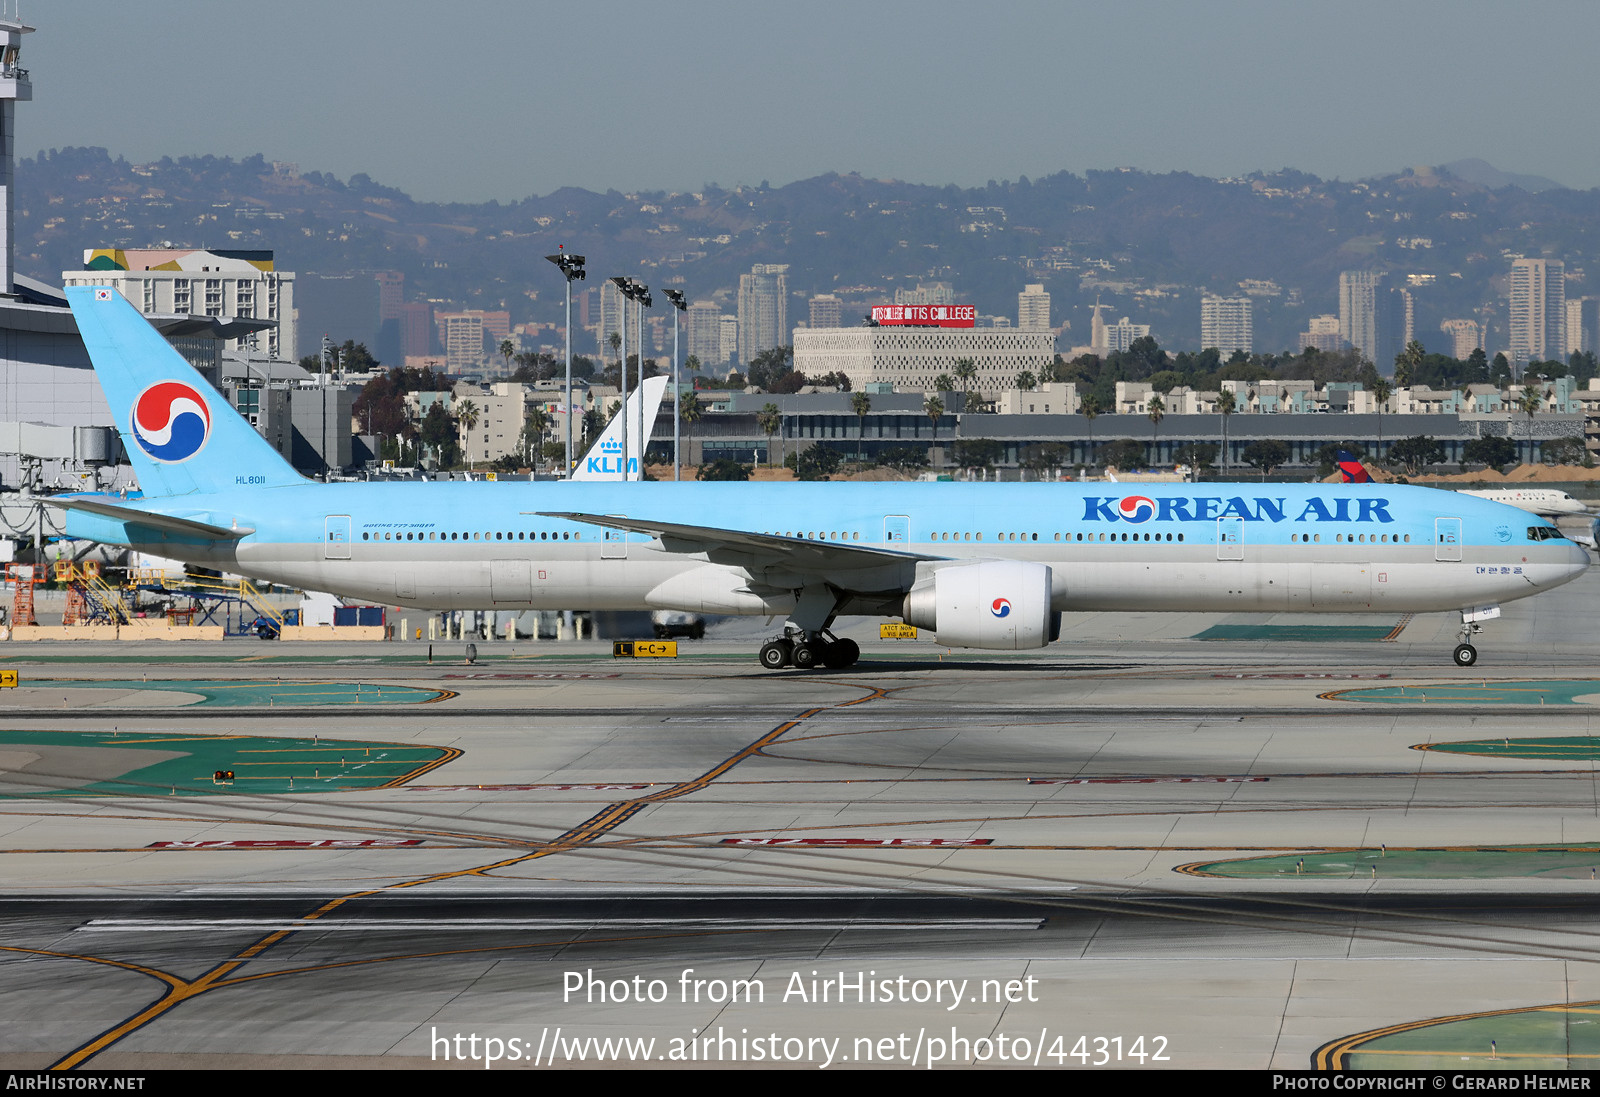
(1322, 333)
(1466, 336)
(461, 333)
(1583, 325)
(416, 329)
(704, 321)
(203, 283)
(1120, 336)
(1358, 313)
(729, 344)
(827, 311)
(1538, 309)
(1394, 326)
(1033, 308)
(1226, 324)
(612, 316)
(763, 309)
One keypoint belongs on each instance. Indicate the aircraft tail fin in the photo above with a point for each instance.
(604, 459)
(180, 433)
(1351, 468)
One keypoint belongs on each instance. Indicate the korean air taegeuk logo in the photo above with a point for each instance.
(171, 421)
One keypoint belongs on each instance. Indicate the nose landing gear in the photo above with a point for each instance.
(1472, 620)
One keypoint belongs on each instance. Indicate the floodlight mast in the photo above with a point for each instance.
(641, 301)
(625, 287)
(572, 270)
(679, 304)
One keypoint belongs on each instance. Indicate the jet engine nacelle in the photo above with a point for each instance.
(997, 604)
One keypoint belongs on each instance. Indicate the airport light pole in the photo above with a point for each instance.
(679, 303)
(572, 270)
(625, 287)
(641, 301)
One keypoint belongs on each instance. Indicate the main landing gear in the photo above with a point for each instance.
(805, 651)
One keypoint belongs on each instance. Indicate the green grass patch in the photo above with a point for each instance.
(77, 763)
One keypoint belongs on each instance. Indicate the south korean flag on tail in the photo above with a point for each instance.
(103, 294)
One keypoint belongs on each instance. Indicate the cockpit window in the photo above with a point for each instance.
(1545, 533)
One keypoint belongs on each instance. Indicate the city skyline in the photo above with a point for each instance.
(892, 94)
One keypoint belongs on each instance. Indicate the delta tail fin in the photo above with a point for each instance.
(1351, 468)
(181, 434)
(604, 459)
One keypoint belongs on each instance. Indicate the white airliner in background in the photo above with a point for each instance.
(1545, 501)
(982, 565)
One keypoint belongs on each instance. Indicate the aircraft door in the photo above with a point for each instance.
(511, 581)
(1230, 538)
(613, 542)
(896, 529)
(336, 544)
(1447, 538)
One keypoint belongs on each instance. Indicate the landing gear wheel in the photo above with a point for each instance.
(1465, 655)
(775, 656)
(841, 654)
(805, 655)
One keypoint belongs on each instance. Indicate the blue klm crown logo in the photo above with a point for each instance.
(610, 460)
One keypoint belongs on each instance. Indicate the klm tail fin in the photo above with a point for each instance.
(604, 459)
(180, 433)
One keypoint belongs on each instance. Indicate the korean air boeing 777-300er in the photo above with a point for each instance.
(981, 565)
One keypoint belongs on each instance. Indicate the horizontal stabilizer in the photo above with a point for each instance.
(164, 523)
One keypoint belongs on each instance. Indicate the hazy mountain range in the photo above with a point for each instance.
(1145, 244)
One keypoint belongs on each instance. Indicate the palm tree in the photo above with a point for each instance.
(1528, 403)
(964, 370)
(467, 416)
(770, 420)
(944, 383)
(1226, 402)
(933, 408)
(507, 349)
(860, 403)
(534, 424)
(1089, 407)
(1381, 391)
(689, 412)
(1157, 410)
(1408, 362)
(1026, 381)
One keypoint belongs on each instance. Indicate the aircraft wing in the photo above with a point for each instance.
(762, 549)
(165, 523)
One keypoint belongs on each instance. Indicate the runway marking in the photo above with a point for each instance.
(1145, 780)
(530, 788)
(500, 925)
(287, 843)
(860, 843)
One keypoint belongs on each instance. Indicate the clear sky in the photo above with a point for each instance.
(477, 99)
